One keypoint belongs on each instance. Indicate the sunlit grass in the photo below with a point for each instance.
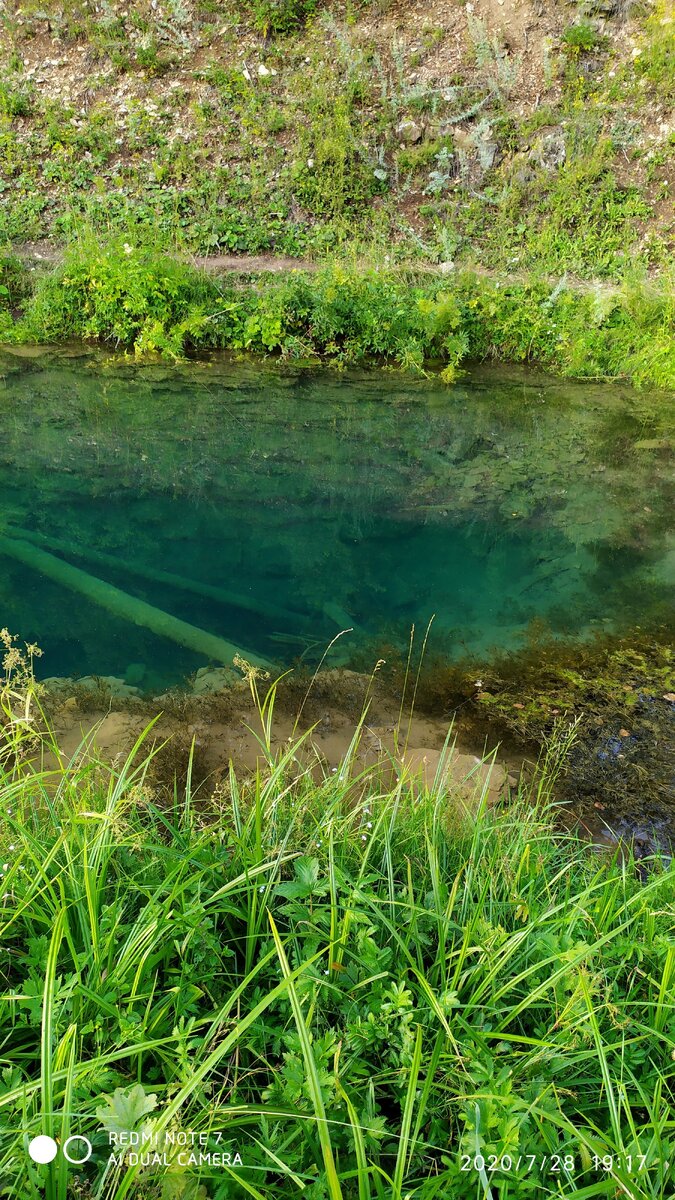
(363, 986)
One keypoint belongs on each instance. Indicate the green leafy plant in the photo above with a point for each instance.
(580, 38)
(281, 16)
(16, 97)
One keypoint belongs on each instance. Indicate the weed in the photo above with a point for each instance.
(16, 98)
(280, 16)
(580, 38)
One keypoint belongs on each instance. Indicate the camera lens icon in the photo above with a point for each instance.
(76, 1149)
(42, 1149)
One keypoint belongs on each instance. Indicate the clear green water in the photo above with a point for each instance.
(369, 499)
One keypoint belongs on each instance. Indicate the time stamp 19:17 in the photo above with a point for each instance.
(565, 1164)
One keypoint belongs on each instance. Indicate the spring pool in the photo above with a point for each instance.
(273, 507)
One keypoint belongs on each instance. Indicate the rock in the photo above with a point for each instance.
(410, 132)
(135, 674)
(550, 151)
(213, 679)
(446, 268)
(601, 8)
(488, 155)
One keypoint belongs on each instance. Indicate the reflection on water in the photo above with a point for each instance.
(274, 507)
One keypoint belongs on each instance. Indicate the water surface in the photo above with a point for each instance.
(315, 501)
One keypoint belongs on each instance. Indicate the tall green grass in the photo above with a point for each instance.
(363, 986)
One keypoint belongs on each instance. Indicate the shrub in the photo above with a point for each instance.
(280, 16)
(332, 174)
(16, 98)
(124, 296)
(656, 60)
(154, 303)
(579, 38)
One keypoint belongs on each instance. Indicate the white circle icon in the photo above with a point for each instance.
(42, 1149)
(77, 1137)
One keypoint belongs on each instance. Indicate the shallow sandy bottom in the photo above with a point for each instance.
(225, 728)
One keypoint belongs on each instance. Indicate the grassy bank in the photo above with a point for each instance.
(148, 302)
(539, 140)
(370, 991)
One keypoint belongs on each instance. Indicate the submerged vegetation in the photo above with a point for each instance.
(137, 299)
(342, 989)
(618, 692)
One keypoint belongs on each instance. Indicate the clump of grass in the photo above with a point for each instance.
(368, 990)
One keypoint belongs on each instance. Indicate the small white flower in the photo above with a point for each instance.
(369, 825)
(261, 888)
(326, 972)
(5, 866)
(12, 847)
(310, 162)
(478, 683)
(128, 249)
(364, 838)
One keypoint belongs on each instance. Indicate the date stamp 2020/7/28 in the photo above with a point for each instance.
(567, 1164)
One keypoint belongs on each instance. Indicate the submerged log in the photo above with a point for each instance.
(223, 596)
(335, 612)
(126, 607)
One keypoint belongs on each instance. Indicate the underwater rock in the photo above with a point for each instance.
(213, 679)
(27, 351)
(464, 775)
(117, 687)
(57, 683)
(135, 674)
